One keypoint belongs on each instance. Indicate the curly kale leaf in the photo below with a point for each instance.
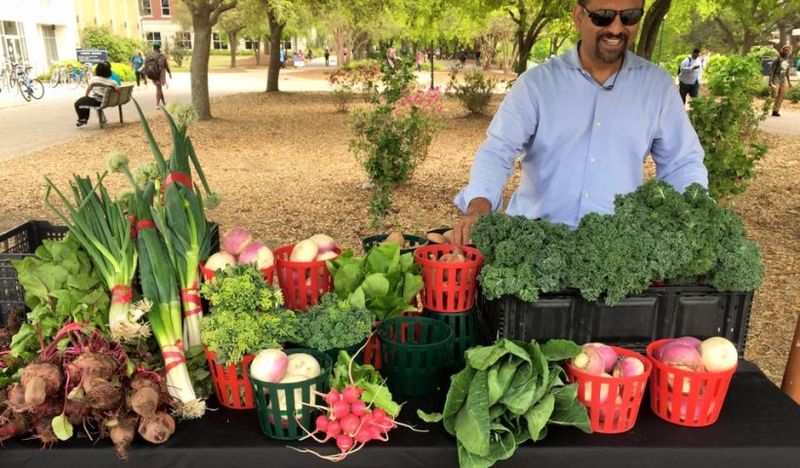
(333, 323)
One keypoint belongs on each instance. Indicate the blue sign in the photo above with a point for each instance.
(92, 55)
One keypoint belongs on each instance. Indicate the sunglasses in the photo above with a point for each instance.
(603, 18)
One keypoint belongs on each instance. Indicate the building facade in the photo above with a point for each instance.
(37, 32)
(159, 24)
(120, 16)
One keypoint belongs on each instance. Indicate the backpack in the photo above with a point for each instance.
(152, 66)
(679, 65)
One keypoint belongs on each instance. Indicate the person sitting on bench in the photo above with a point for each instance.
(95, 92)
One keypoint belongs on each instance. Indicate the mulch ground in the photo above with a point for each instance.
(282, 164)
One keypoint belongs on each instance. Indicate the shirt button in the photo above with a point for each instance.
(585, 194)
(593, 159)
(597, 124)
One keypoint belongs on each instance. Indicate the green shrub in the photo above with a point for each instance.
(475, 92)
(794, 95)
(727, 74)
(120, 49)
(764, 92)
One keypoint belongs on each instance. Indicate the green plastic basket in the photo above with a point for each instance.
(275, 421)
(415, 352)
(440, 230)
(412, 239)
(465, 332)
(351, 350)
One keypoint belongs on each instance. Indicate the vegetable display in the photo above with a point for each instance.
(715, 354)
(506, 395)
(333, 323)
(384, 281)
(245, 315)
(238, 247)
(678, 237)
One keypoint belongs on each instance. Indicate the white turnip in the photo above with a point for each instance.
(220, 261)
(298, 393)
(589, 360)
(236, 240)
(596, 396)
(628, 367)
(607, 353)
(329, 255)
(324, 242)
(719, 354)
(269, 365)
(303, 364)
(258, 253)
(304, 251)
(686, 383)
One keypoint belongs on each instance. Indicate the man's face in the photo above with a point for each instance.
(695, 54)
(608, 43)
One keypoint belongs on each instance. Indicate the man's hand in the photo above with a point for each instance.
(462, 232)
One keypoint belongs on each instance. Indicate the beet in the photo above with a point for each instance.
(90, 365)
(158, 428)
(16, 398)
(43, 430)
(40, 380)
(101, 394)
(122, 435)
(12, 425)
(76, 411)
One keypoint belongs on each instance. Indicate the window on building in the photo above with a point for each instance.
(50, 47)
(183, 40)
(13, 47)
(153, 37)
(164, 7)
(217, 43)
(147, 8)
(251, 44)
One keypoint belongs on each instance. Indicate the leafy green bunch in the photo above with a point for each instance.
(384, 282)
(366, 378)
(333, 323)
(507, 395)
(245, 315)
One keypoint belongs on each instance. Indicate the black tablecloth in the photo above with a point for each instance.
(759, 427)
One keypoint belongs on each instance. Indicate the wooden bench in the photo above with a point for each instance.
(114, 99)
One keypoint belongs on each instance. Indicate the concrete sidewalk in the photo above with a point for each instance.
(788, 124)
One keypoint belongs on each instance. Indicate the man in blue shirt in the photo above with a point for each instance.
(583, 123)
(689, 75)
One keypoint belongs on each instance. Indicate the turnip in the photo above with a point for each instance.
(676, 354)
(303, 364)
(596, 397)
(395, 238)
(686, 383)
(628, 367)
(589, 360)
(304, 251)
(236, 240)
(220, 261)
(607, 353)
(689, 340)
(258, 253)
(324, 242)
(718, 354)
(298, 392)
(269, 365)
(684, 406)
(329, 255)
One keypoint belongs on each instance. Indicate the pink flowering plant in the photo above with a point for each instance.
(360, 77)
(393, 137)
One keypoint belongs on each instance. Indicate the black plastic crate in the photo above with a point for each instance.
(22, 242)
(659, 312)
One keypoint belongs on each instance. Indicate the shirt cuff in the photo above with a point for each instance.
(470, 193)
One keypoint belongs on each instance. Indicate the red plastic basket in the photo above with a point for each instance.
(231, 383)
(372, 352)
(698, 396)
(302, 283)
(448, 287)
(623, 395)
(268, 273)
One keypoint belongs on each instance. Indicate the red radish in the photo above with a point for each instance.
(607, 353)
(677, 354)
(220, 261)
(378, 414)
(304, 251)
(333, 429)
(258, 253)
(332, 397)
(324, 242)
(596, 396)
(628, 367)
(365, 435)
(359, 408)
(350, 424)
(351, 394)
(589, 360)
(340, 410)
(322, 423)
(235, 241)
(344, 442)
(718, 354)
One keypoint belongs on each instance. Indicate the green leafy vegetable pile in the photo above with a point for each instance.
(505, 396)
(384, 282)
(366, 378)
(333, 323)
(245, 316)
(655, 233)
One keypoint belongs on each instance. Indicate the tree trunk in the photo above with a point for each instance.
(275, 36)
(201, 46)
(234, 43)
(522, 60)
(651, 26)
(257, 50)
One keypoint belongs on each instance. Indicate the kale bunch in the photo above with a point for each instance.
(333, 323)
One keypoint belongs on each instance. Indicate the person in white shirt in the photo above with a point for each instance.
(689, 75)
(99, 85)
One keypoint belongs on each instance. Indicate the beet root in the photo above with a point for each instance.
(101, 394)
(40, 380)
(158, 428)
(13, 425)
(76, 411)
(16, 398)
(92, 365)
(122, 435)
(144, 401)
(43, 430)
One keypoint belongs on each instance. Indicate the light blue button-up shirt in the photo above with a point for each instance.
(689, 74)
(582, 144)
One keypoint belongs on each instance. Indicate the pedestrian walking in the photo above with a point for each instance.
(156, 68)
(689, 75)
(779, 81)
(137, 62)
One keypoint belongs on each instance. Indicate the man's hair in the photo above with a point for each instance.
(584, 2)
(696, 51)
(103, 69)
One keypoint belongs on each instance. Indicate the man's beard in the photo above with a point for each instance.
(610, 57)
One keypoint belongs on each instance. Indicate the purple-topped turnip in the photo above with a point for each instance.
(589, 360)
(236, 240)
(628, 367)
(607, 353)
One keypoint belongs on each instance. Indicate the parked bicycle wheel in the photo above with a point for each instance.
(24, 90)
(55, 77)
(36, 89)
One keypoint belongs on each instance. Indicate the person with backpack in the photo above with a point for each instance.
(689, 75)
(156, 68)
(779, 82)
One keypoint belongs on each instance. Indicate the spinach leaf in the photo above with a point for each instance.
(472, 420)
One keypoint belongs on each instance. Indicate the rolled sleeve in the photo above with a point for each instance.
(676, 148)
(510, 132)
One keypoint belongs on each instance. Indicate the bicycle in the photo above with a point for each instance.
(58, 75)
(29, 87)
(79, 76)
(7, 78)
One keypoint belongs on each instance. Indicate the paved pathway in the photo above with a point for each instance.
(788, 124)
